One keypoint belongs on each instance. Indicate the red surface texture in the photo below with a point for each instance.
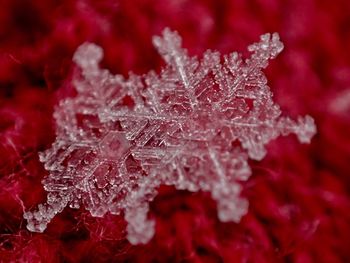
(299, 194)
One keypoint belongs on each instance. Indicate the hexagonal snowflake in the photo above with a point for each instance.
(192, 126)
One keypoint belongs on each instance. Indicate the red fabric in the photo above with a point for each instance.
(299, 194)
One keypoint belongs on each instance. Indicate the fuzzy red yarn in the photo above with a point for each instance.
(299, 194)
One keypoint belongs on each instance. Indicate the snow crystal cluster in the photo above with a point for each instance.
(192, 126)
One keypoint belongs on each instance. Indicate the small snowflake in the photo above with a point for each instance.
(193, 126)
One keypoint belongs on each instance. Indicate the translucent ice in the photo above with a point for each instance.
(192, 126)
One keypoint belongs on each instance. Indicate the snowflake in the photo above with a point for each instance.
(192, 126)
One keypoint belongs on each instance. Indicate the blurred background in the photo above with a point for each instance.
(299, 194)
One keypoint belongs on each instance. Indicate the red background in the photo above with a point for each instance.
(299, 194)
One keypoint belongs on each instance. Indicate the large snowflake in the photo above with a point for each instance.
(192, 126)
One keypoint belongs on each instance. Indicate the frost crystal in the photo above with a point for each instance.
(192, 126)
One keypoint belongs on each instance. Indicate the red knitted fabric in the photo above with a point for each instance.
(299, 195)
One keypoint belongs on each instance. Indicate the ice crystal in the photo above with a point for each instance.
(192, 126)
